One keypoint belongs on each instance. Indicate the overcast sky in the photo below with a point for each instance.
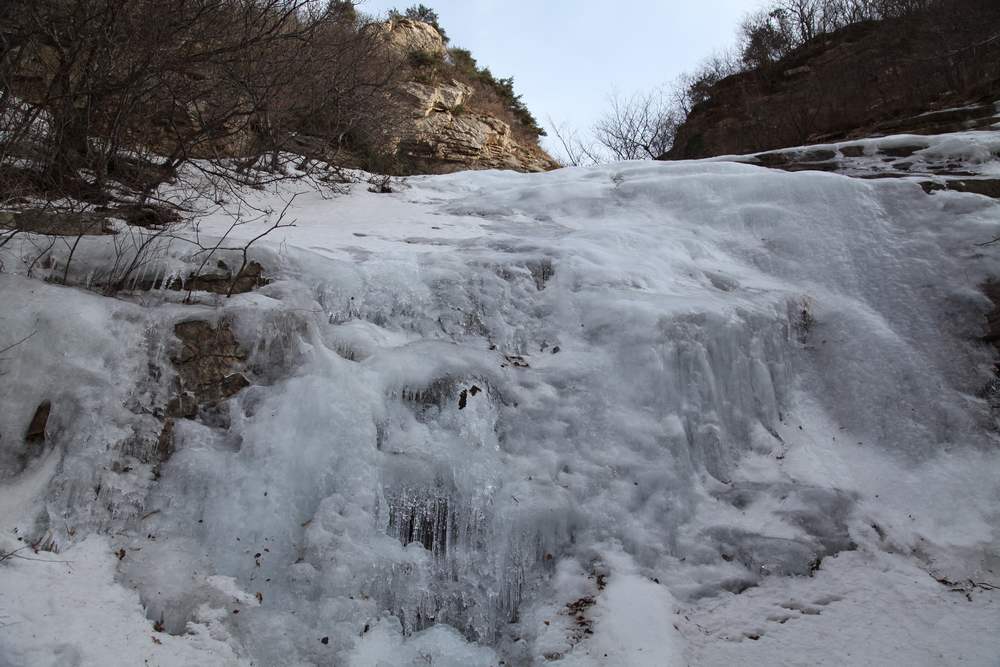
(566, 56)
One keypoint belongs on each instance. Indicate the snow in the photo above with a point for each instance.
(859, 609)
(646, 414)
(634, 622)
(67, 609)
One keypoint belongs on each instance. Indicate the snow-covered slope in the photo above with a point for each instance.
(644, 414)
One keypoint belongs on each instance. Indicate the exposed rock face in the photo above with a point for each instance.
(208, 367)
(407, 36)
(223, 281)
(442, 98)
(441, 133)
(866, 80)
(445, 136)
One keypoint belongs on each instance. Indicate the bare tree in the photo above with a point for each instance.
(638, 127)
(573, 151)
(105, 102)
(183, 80)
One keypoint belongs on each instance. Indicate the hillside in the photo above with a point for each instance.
(107, 101)
(649, 413)
(450, 120)
(866, 79)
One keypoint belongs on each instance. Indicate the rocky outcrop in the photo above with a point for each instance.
(406, 36)
(209, 367)
(921, 75)
(441, 131)
(427, 100)
(223, 280)
(445, 135)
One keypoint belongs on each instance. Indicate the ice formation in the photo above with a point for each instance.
(647, 413)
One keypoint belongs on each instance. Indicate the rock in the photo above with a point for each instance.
(184, 405)
(443, 142)
(165, 443)
(407, 36)
(249, 279)
(866, 79)
(811, 166)
(232, 384)
(773, 159)
(855, 150)
(427, 99)
(36, 429)
(65, 223)
(147, 216)
(209, 367)
(817, 159)
(95, 223)
(817, 155)
(901, 151)
(442, 132)
(966, 117)
(988, 187)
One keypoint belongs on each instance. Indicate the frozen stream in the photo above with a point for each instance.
(648, 414)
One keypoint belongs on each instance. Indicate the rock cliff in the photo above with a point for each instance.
(923, 75)
(441, 128)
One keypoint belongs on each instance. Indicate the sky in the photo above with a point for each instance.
(568, 56)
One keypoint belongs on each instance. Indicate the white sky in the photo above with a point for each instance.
(566, 56)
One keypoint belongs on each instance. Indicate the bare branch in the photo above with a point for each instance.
(640, 127)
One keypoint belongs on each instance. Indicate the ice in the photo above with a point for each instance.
(536, 418)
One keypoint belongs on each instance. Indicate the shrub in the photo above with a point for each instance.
(422, 60)
(494, 94)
